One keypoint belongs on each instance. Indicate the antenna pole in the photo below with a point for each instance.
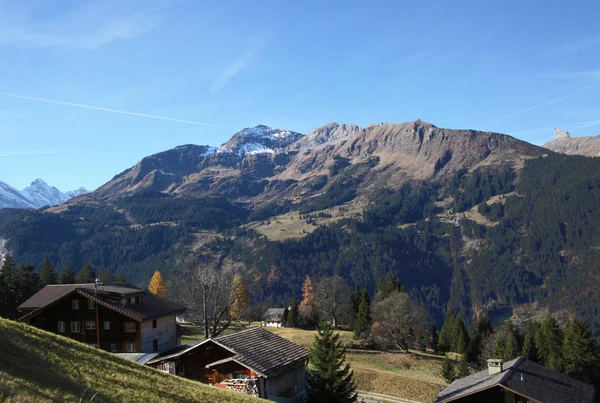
(97, 320)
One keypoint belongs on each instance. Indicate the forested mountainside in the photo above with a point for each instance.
(462, 227)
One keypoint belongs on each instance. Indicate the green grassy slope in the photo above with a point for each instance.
(37, 366)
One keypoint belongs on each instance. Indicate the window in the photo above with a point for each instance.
(107, 325)
(154, 323)
(130, 347)
(155, 346)
(130, 327)
(113, 347)
(75, 304)
(132, 300)
(75, 326)
(91, 304)
(61, 326)
(90, 325)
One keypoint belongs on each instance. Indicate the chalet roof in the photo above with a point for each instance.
(151, 306)
(525, 378)
(263, 351)
(140, 358)
(258, 349)
(274, 314)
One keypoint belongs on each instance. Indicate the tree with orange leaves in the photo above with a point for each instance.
(158, 285)
(308, 306)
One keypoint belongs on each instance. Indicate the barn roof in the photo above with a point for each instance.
(525, 378)
(150, 306)
(255, 348)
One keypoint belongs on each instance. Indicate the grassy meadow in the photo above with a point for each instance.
(37, 366)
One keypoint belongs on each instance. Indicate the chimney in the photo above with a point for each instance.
(494, 366)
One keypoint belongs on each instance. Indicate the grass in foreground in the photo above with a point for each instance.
(37, 366)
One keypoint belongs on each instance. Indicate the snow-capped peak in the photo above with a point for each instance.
(37, 195)
(259, 140)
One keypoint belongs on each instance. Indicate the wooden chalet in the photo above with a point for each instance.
(128, 320)
(517, 381)
(254, 361)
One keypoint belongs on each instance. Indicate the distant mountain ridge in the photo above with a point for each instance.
(588, 146)
(36, 195)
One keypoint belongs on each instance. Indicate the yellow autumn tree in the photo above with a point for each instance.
(158, 285)
(239, 304)
(308, 306)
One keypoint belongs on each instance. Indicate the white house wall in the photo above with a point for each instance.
(165, 333)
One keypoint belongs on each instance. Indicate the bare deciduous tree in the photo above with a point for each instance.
(205, 291)
(333, 296)
(398, 320)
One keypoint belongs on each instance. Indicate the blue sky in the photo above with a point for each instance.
(139, 77)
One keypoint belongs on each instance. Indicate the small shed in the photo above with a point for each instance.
(274, 317)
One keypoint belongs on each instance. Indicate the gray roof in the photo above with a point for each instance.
(139, 358)
(274, 314)
(150, 306)
(525, 378)
(258, 349)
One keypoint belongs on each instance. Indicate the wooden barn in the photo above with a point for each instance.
(254, 361)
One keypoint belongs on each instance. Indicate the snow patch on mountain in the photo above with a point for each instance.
(38, 194)
(259, 140)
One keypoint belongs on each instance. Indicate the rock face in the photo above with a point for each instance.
(262, 164)
(564, 143)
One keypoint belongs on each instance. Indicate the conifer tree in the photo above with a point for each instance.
(507, 344)
(47, 273)
(355, 303)
(363, 318)
(434, 339)
(104, 276)
(331, 381)
(549, 341)
(386, 285)
(448, 370)
(8, 288)
(530, 350)
(158, 285)
(239, 304)
(86, 275)
(67, 276)
(308, 306)
(462, 370)
(27, 283)
(292, 319)
(581, 353)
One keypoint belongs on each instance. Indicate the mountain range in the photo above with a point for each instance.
(564, 143)
(468, 220)
(36, 195)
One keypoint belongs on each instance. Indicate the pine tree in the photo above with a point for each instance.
(363, 318)
(549, 341)
(462, 370)
(507, 345)
(446, 339)
(448, 370)
(47, 273)
(158, 285)
(104, 276)
(67, 276)
(434, 339)
(530, 350)
(238, 299)
(386, 285)
(86, 275)
(27, 283)
(355, 302)
(581, 353)
(8, 296)
(292, 319)
(331, 381)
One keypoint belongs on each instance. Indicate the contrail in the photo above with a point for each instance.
(97, 108)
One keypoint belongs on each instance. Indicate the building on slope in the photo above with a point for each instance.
(274, 317)
(517, 381)
(254, 361)
(126, 319)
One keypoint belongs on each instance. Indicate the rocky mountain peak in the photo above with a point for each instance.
(329, 134)
(561, 134)
(258, 140)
